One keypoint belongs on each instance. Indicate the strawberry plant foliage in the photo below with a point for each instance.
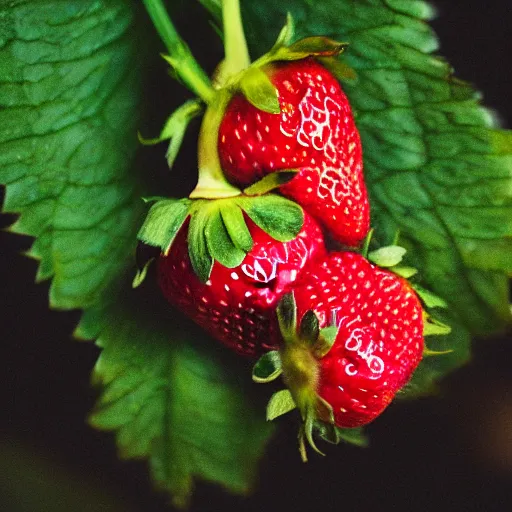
(437, 170)
(70, 98)
(170, 397)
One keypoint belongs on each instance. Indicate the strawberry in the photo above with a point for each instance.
(315, 134)
(360, 338)
(237, 305)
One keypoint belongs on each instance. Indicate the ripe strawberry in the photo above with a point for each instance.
(237, 305)
(314, 133)
(378, 345)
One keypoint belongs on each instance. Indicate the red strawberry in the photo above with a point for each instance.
(237, 305)
(378, 345)
(315, 133)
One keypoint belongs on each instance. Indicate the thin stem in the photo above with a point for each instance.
(212, 183)
(180, 56)
(235, 44)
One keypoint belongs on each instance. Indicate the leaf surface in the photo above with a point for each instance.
(70, 102)
(69, 97)
(177, 399)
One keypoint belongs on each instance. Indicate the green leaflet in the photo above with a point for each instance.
(429, 299)
(335, 435)
(199, 252)
(287, 317)
(387, 256)
(271, 182)
(258, 90)
(163, 222)
(69, 108)
(171, 395)
(219, 242)
(217, 230)
(175, 128)
(267, 368)
(437, 169)
(280, 403)
(309, 328)
(281, 218)
(325, 341)
(237, 228)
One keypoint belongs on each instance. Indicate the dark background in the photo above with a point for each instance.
(452, 451)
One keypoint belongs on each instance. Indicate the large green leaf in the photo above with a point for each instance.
(438, 170)
(174, 395)
(69, 95)
(70, 91)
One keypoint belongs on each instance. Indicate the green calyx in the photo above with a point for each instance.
(297, 362)
(390, 257)
(217, 229)
(238, 76)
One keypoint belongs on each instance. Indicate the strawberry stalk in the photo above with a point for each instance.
(212, 184)
(180, 57)
(235, 45)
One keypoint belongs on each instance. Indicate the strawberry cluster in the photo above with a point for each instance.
(344, 333)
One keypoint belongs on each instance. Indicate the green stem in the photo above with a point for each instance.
(235, 45)
(212, 183)
(180, 56)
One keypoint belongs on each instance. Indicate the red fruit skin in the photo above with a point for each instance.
(380, 338)
(237, 305)
(315, 133)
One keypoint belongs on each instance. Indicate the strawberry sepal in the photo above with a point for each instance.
(281, 402)
(271, 182)
(218, 229)
(267, 368)
(174, 128)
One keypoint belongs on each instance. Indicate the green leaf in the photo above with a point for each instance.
(215, 8)
(316, 46)
(163, 221)
(335, 435)
(198, 250)
(432, 327)
(281, 218)
(259, 90)
(142, 273)
(280, 403)
(429, 353)
(428, 298)
(339, 68)
(237, 228)
(326, 339)
(436, 167)
(267, 368)
(309, 328)
(172, 396)
(365, 246)
(271, 182)
(388, 256)
(69, 99)
(220, 245)
(405, 272)
(285, 36)
(175, 128)
(287, 317)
